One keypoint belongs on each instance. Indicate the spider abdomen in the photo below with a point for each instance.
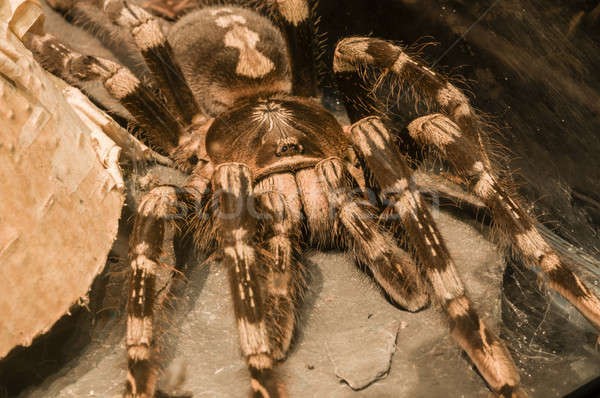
(226, 53)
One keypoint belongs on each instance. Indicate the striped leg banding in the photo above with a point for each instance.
(317, 210)
(515, 226)
(393, 269)
(486, 350)
(356, 57)
(158, 207)
(158, 56)
(295, 21)
(237, 230)
(147, 109)
(374, 145)
(285, 282)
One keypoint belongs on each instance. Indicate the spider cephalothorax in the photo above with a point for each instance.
(275, 135)
(271, 172)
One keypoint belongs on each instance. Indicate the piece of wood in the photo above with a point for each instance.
(61, 188)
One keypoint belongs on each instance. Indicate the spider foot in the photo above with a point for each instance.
(141, 379)
(509, 393)
(265, 384)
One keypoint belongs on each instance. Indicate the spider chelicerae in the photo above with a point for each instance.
(271, 172)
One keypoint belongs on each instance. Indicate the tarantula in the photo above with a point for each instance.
(271, 172)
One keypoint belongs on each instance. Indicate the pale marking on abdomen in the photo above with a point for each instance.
(251, 62)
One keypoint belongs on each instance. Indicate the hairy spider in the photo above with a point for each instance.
(272, 172)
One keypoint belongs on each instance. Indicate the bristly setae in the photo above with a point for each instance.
(233, 103)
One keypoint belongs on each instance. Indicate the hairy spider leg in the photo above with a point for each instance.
(393, 268)
(277, 196)
(161, 206)
(375, 146)
(457, 136)
(295, 19)
(89, 16)
(148, 110)
(158, 55)
(237, 230)
(516, 227)
(355, 57)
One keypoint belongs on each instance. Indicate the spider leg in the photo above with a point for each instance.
(88, 15)
(285, 282)
(237, 228)
(157, 53)
(375, 146)
(355, 57)
(158, 207)
(294, 18)
(393, 268)
(457, 136)
(443, 135)
(147, 109)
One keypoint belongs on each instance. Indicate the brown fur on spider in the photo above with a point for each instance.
(269, 175)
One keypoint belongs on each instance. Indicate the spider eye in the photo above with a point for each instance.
(284, 148)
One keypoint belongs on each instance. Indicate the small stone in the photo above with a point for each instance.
(360, 365)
